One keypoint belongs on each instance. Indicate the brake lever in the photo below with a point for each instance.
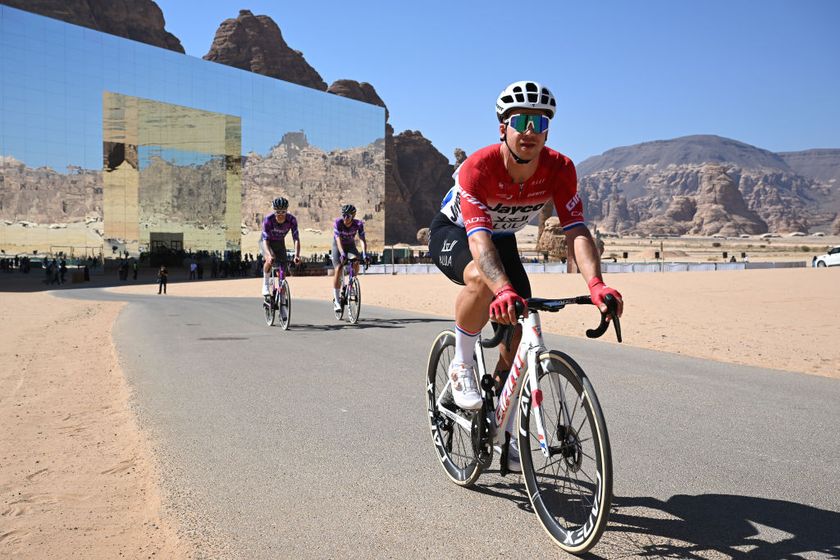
(612, 313)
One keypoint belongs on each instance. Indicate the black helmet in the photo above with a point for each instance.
(280, 203)
(348, 209)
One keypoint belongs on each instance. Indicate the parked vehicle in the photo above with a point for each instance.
(832, 258)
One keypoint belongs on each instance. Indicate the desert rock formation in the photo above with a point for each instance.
(316, 183)
(255, 43)
(707, 185)
(44, 196)
(139, 20)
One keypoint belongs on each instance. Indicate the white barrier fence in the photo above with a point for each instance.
(607, 267)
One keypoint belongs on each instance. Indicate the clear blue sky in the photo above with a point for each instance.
(765, 72)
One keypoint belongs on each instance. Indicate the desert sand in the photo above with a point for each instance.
(783, 319)
(78, 478)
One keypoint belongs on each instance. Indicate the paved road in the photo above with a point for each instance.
(313, 443)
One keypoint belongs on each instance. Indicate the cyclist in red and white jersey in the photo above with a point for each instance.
(498, 189)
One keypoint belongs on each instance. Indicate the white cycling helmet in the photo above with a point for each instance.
(525, 95)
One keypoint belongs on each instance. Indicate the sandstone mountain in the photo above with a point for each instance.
(709, 185)
(416, 174)
(139, 20)
(820, 165)
(255, 43)
(29, 194)
(360, 91)
(316, 182)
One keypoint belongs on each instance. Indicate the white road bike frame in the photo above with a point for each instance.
(528, 351)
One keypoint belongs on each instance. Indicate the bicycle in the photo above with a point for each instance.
(280, 300)
(351, 292)
(560, 426)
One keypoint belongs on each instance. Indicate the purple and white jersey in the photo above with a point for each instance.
(347, 234)
(274, 231)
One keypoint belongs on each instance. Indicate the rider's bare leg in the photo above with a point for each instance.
(471, 313)
(337, 277)
(472, 306)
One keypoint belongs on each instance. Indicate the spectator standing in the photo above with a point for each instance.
(163, 275)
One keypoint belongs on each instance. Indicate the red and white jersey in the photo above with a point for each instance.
(485, 198)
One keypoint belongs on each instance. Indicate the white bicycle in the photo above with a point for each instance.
(562, 435)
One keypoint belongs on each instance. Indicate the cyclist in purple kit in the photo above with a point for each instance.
(345, 230)
(273, 240)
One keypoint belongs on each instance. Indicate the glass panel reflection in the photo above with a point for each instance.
(105, 142)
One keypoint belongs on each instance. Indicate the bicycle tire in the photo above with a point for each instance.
(354, 301)
(269, 311)
(284, 305)
(571, 502)
(452, 443)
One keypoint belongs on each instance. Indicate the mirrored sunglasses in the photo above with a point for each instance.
(520, 122)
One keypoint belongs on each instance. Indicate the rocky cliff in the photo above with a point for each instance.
(255, 43)
(703, 185)
(28, 194)
(416, 174)
(426, 174)
(139, 20)
(317, 183)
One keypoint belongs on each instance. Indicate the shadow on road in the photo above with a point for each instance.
(734, 526)
(368, 324)
(700, 527)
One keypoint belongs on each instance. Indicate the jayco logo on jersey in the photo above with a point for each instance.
(502, 209)
(573, 202)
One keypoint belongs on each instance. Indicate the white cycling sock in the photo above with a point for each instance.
(266, 283)
(337, 294)
(464, 346)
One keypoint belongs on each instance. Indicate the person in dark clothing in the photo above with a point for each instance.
(163, 275)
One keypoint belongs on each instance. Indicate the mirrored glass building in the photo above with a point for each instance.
(110, 145)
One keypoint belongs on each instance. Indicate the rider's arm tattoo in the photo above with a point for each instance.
(491, 265)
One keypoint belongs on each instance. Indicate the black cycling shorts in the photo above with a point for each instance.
(450, 250)
(278, 248)
(348, 250)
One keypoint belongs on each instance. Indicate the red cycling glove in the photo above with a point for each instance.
(597, 289)
(504, 300)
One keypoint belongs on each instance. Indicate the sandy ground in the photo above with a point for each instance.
(784, 319)
(78, 479)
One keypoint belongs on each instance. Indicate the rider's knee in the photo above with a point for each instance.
(474, 282)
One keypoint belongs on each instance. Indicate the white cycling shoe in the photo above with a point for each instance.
(513, 462)
(336, 306)
(464, 386)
